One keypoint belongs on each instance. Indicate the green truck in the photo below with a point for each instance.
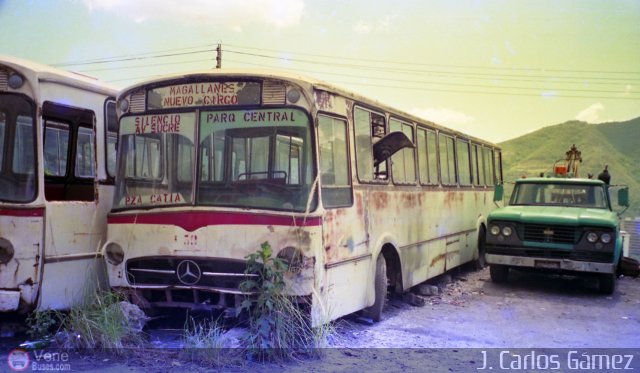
(557, 224)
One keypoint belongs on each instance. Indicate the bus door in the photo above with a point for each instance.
(73, 225)
(21, 220)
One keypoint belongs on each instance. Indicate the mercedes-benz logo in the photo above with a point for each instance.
(188, 272)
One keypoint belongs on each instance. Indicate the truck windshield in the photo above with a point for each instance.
(17, 149)
(560, 194)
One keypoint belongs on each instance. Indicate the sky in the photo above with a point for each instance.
(496, 69)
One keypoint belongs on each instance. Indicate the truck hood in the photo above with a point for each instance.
(556, 215)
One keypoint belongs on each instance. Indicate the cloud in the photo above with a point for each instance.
(591, 114)
(234, 14)
(444, 116)
(381, 25)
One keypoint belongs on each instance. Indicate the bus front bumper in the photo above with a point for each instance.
(551, 264)
(9, 300)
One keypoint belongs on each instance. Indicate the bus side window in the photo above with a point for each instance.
(447, 160)
(369, 127)
(69, 153)
(112, 137)
(334, 163)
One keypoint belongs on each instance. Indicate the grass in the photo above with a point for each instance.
(279, 325)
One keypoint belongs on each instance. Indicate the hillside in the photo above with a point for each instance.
(614, 144)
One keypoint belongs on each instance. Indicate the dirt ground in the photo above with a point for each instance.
(452, 332)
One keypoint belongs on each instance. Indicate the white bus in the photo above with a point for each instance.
(212, 164)
(57, 165)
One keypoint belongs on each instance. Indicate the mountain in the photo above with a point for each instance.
(616, 144)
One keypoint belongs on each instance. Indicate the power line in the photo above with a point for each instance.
(411, 70)
(437, 65)
(470, 92)
(445, 83)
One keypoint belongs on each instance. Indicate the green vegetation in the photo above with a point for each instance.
(41, 323)
(614, 144)
(102, 322)
(279, 327)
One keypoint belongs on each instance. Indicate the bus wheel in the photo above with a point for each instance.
(481, 262)
(499, 273)
(374, 312)
(607, 283)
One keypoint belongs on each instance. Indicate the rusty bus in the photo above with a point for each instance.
(359, 198)
(57, 162)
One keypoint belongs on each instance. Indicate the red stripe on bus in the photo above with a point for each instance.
(38, 211)
(190, 221)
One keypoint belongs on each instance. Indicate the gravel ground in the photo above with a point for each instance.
(449, 333)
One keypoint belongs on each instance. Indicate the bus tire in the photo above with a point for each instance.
(607, 283)
(481, 262)
(374, 312)
(499, 273)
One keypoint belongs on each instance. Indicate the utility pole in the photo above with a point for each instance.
(219, 56)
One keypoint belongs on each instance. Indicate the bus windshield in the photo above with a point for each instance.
(256, 159)
(559, 194)
(17, 149)
(156, 160)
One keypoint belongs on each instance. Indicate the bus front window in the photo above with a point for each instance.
(256, 159)
(156, 156)
(17, 149)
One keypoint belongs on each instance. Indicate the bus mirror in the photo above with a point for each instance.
(623, 197)
(498, 192)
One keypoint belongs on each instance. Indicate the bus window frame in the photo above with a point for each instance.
(110, 178)
(436, 153)
(457, 156)
(9, 143)
(412, 125)
(348, 156)
(455, 162)
(370, 110)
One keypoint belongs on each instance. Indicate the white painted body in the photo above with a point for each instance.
(427, 229)
(57, 242)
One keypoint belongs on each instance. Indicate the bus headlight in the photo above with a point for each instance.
(114, 253)
(15, 81)
(123, 105)
(592, 237)
(6, 251)
(507, 231)
(294, 259)
(494, 230)
(605, 238)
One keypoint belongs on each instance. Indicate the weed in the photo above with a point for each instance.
(101, 323)
(42, 323)
(279, 327)
(204, 340)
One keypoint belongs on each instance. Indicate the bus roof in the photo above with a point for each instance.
(559, 180)
(44, 73)
(301, 80)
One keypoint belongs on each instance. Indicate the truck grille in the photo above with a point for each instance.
(223, 274)
(553, 234)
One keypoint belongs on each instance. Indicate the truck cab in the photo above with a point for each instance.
(556, 224)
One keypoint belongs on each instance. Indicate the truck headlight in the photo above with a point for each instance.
(507, 231)
(592, 237)
(494, 230)
(605, 238)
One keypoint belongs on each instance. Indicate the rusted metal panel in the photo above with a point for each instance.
(23, 229)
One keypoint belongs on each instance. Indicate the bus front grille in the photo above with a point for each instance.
(223, 274)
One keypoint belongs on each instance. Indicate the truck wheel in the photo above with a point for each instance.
(499, 273)
(481, 262)
(607, 283)
(374, 312)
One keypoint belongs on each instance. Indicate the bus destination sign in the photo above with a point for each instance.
(204, 94)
